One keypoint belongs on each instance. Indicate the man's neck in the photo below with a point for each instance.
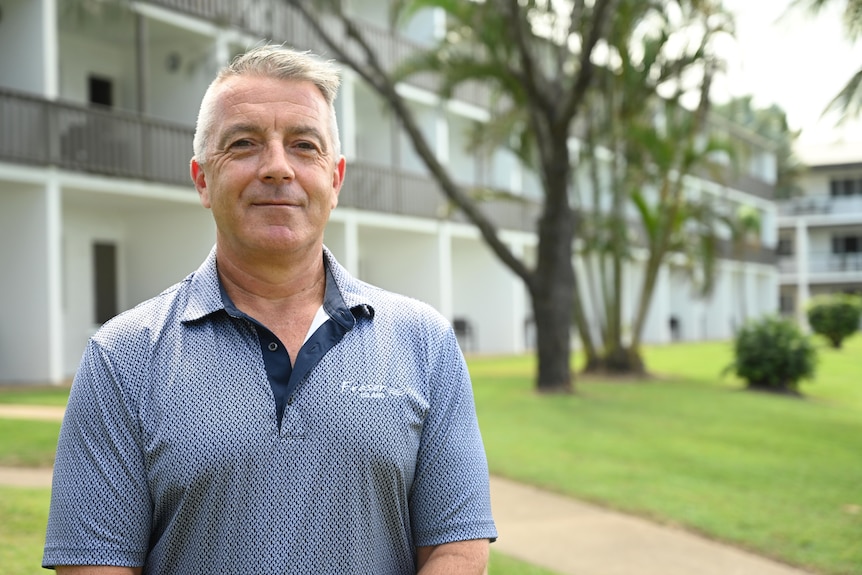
(271, 284)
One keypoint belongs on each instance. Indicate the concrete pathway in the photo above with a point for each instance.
(36, 412)
(555, 532)
(576, 538)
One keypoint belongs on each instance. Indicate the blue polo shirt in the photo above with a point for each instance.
(172, 456)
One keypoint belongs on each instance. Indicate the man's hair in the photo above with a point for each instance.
(270, 61)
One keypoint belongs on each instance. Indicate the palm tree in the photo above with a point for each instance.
(640, 201)
(848, 102)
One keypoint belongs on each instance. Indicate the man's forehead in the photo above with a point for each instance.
(254, 87)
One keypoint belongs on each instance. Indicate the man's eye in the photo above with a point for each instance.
(242, 144)
(306, 146)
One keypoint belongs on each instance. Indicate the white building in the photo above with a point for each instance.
(820, 233)
(97, 213)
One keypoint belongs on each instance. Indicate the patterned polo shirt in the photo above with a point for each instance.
(172, 454)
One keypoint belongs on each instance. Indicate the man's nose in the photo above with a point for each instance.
(275, 163)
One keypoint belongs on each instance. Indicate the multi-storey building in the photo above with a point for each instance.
(97, 105)
(820, 232)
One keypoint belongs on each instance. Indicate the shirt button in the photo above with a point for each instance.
(290, 400)
(273, 346)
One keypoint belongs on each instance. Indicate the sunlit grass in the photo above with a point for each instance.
(23, 515)
(779, 475)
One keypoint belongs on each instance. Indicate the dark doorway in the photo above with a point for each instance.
(105, 281)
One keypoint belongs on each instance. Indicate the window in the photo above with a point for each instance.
(845, 187)
(846, 244)
(100, 91)
(104, 281)
(785, 247)
(787, 304)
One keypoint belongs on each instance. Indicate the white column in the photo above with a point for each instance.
(54, 263)
(347, 115)
(222, 49)
(520, 304)
(50, 45)
(802, 272)
(441, 127)
(444, 263)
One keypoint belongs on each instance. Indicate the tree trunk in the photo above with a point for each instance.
(552, 311)
(553, 290)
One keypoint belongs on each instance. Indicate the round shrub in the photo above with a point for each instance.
(771, 353)
(835, 317)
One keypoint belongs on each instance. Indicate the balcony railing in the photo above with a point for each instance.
(90, 139)
(828, 263)
(821, 205)
(755, 254)
(115, 143)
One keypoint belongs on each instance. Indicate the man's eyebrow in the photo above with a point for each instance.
(228, 134)
(309, 131)
(232, 131)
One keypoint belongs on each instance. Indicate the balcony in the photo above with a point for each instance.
(822, 206)
(89, 139)
(123, 144)
(824, 263)
(281, 23)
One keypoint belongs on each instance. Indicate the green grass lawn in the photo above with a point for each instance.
(779, 475)
(23, 515)
(41, 395)
(28, 443)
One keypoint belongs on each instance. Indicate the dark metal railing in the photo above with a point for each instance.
(728, 249)
(90, 139)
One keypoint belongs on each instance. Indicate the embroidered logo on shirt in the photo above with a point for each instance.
(370, 390)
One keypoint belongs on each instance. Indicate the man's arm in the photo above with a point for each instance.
(97, 570)
(456, 558)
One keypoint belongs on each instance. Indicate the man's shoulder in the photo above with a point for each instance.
(151, 316)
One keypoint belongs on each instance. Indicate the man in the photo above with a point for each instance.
(270, 413)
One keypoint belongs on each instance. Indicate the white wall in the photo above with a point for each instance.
(401, 261)
(24, 342)
(374, 129)
(21, 46)
(82, 56)
(175, 95)
(165, 244)
(485, 292)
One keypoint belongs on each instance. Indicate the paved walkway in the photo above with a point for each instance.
(559, 533)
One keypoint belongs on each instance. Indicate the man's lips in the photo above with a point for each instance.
(276, 204)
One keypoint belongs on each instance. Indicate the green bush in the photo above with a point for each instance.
(835, 317)
(771, 353)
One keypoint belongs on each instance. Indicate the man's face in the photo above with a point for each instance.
(270, 177)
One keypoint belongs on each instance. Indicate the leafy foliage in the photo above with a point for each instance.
(769, 123)
(772, 353)
(848, 102)
(836, 317)
(649, 109)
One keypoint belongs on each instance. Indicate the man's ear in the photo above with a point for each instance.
(338, 179)
(200, 181)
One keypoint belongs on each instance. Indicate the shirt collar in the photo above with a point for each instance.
(342, 299)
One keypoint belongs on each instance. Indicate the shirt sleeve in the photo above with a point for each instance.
(450, 498)
(100, 510)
